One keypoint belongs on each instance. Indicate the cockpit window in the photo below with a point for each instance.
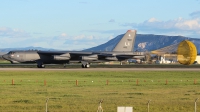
(11, 52)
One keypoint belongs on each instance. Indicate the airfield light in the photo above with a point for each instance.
(194, 81)
(45, 82)
(107, 82)
(186, 52)
(195, 105)
(13, 82)
(76, 82)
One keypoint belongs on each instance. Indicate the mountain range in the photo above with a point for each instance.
(4, 50)
(147, 42)
(143, 42)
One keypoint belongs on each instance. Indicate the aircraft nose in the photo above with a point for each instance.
(5, 56)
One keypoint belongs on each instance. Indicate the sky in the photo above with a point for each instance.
(81, 24)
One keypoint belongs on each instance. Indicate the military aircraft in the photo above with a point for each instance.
(121, 52)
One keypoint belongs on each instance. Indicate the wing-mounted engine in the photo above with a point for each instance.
(62, 57)
(89, 58)
(139, 57)
(111, 58)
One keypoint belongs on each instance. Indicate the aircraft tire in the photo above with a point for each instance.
(41, 66)
(87, 65)
(83, 66)
(120, 63)
(64, 65)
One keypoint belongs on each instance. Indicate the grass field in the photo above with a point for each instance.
(168, 91)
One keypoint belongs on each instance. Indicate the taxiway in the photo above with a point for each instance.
(100, 69)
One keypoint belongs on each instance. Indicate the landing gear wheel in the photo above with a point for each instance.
(87, 65)
(41, 66)
(83, 66)
(120, 63)
(64, 65)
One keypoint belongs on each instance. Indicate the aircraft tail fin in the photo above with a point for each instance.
(127, 42)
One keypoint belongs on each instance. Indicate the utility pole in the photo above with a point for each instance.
(148, 105)
(46, 104)
(100, 109)
(195, 105)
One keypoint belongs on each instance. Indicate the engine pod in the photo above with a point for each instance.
(89, 58)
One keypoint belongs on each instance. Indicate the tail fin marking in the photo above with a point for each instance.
(127, 41)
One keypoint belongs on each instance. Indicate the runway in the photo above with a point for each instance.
(99, 69)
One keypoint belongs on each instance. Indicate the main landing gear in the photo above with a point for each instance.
(120, 63)
(85, 64)
(41, 66)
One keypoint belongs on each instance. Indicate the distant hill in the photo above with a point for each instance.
(146, 42)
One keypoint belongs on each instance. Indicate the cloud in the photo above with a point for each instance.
(63, 35)
(177, 26)
(193, 24)
(19, 38)
(112, 21)
(13, 37)
(110, 37)
(67, 42)
(79, 37)
(14, 33)
(195, 14)
(153, 20)
(113, 32)
(83, 37)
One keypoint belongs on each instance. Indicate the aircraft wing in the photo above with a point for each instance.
(51, 52)
(63, 52)
(98, 55)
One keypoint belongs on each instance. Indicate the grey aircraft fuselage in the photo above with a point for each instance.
(35, 57)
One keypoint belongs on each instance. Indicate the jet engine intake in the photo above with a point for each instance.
(89, 58)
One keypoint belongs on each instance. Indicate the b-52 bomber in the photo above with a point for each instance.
(121, 52)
